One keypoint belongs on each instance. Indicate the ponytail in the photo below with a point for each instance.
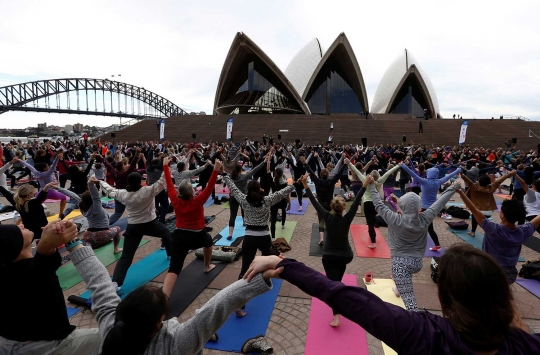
(23, 192)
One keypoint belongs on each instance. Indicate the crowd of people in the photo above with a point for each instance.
(479, 313)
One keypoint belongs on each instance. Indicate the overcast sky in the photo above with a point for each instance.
(483, 57)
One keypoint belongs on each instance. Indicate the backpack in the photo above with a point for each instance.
(531, 269)
(458, 212)
(461, 225)
(435, 268)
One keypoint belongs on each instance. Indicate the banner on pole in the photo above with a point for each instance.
(463, 132)
(229, 128)
(162, 129)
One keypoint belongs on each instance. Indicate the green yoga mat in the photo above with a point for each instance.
(225, 205)
(474, 241)
(68, 275)
(107, 199)
(287, 232)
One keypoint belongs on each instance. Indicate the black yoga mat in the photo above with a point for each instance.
(314, 248)
(533, 243)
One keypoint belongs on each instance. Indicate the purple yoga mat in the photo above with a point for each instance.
(533, 286)
(295, 205)
(430, 253)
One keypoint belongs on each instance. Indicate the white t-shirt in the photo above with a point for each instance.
(532, 203)
(330, 138)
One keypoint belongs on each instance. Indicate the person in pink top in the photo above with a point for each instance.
(190, 233)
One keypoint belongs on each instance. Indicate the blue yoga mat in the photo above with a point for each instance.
(474, 241)
(239, 231)
(122, 223)
(210, 200)
(295, 205)
(72, 311)
(234, 333)
(142, 272)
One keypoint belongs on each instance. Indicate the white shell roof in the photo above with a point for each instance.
(393, 76)
(303, 64)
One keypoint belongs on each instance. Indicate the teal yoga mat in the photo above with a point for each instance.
(235, 331)
(239, 231)
(142, 272)
(474, 241)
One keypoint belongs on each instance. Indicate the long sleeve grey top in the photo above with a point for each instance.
(241, 180)
(179, 176)
(407, 232)
(174, 337)
(97, 217)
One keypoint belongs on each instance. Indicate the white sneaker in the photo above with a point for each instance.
(447, 217)
(300, 208)
(116, 287)
(282, 226)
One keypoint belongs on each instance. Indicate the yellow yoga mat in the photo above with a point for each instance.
(73, 214)
(383, 289)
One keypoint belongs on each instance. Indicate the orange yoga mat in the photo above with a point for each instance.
(508, 197)
(361, 241)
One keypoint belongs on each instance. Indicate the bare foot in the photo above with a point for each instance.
(209, 268)
(471, 234)
(118, 250)
(396, 291)
(321, 242)
(335, 323)
(240, 313)
(372, 246)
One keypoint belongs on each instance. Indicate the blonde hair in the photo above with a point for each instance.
(23, 192)
(338, 204)
(375, 174)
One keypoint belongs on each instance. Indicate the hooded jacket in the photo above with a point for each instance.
(431, 185)
(407, 232)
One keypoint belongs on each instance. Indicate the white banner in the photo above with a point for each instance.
(162, 129)
(463, 132)
(229, 128)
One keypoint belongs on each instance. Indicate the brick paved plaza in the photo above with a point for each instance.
(288, 326)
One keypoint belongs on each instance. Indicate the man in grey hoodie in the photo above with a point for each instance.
(407, 236)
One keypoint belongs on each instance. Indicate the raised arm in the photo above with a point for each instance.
(320, 209)
(277, 196)
(171, 190)
(414, 174)
(361, 176)
(438, 205)
(235, 192)
(354, 206)
(384, 211)
(250, 173)
(383, 178)
(336, 177)
(312, 175)
(479, 216)
(109, 190)
(32, 169)
(8, 195)
(449, 176)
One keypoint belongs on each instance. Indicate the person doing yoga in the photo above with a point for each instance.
(531, 200)
(256, 208)
(478, 316)
(98, 233)
(337, 252)
(190, 232)
(407, 236)
(279, 182)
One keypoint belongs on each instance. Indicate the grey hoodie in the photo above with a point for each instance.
(407, 232)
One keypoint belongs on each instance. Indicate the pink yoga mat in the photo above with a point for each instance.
(322, 339)
(360, 236)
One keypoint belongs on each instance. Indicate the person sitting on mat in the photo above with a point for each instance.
(477, 312)
(503, 241)
(407, 236)
(337, 252)
(481, 194)
(98, 233)
(190, 232)
(256, 208)
(44, 329)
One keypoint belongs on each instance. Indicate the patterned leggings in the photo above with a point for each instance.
(98, 239)
(402, 269)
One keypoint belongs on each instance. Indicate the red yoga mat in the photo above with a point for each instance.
(361, 241)
(321, 339)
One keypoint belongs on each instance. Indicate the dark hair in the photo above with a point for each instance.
(97, 165)
(475, 296)
(86, 201)
(135, 321)
(513, 210)
(529, 175)
(119, 166)
(73, 170)
(133, 182)
(254, 195)
(40, 166)
(484, 180)
(324, 173)
(98, 159)
(237, 170)
(180, 166)
(278, 174)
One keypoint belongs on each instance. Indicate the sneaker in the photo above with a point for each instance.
(299, 208)
(116, 287)
(443, 215)
(162, 247)
(282, 226)
(447, 217)
(435, 248)
(258, 345)
(229, 237)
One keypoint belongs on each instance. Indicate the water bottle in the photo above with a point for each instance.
(15, 217)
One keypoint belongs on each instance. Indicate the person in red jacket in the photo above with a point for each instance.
(190, 232)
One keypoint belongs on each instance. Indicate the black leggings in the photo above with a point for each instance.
(249, 249)
(370, 213)
(182, 242)
(474, 223)
(299, 192)
(345, 182)
(234, 205)
(282, 205)
(334, 267)
(432, 233)
(203, 184)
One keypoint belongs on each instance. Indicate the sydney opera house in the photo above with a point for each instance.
(319, 82)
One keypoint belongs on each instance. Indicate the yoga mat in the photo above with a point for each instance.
(239, 231)
(53, 201)
(142, 272)
(210, 200)
(190, 283)
(383, 289)
(430, 253)
(295, 205)
(533, 286)
(322, 339)
(459, 204)
(122, 223)
(474, 241)
(73, 214)
(361, 241)
(533, 243)
(7, 215)
(234, 333)
(504, 196)
(68, 275)
(107, 199)
(72, 311)
(287, 232)
(314, 248)
(225, 205)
